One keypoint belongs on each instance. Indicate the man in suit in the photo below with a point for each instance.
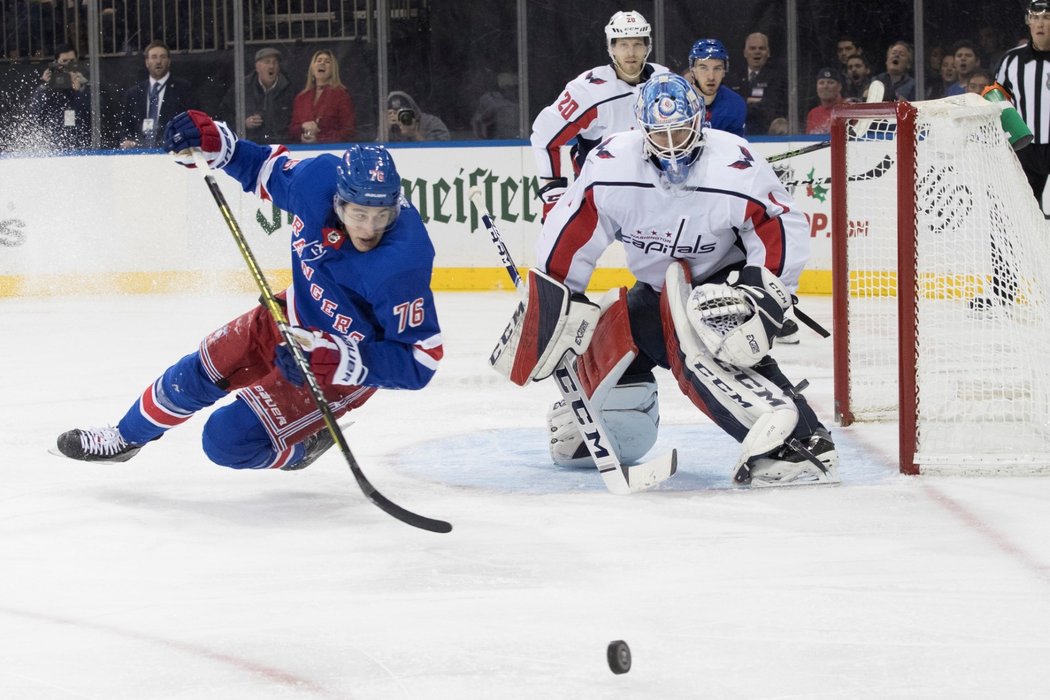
(149, 105)
(762, 84)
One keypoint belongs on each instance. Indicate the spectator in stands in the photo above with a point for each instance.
(967, 60)
(858, 78)
(497, 115)
(934, 59)
(845, 47)
(410, 123)
(323, 111)
(979, 80)
(149, 105)
(779, 127)
(990, 39)
(61, 105)
(829, 92)
(267, 100)
(898, 81)
(948, 77)
(762, 84)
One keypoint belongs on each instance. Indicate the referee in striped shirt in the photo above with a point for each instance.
(1025, 72)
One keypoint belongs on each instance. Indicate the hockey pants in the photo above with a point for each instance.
(264, 426)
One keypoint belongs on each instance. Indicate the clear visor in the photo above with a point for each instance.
(366, 220)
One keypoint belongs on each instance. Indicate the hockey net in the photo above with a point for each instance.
(941, 259)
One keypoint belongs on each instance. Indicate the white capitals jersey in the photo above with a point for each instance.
(592, 106)
(731, 209)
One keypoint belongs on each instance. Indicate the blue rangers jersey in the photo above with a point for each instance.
(380, 298)
(728, 112)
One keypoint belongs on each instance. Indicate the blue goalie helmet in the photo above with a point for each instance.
(671, 114)
(708, 48)
(368, 177)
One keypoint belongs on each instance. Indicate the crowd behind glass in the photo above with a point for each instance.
(453, 70)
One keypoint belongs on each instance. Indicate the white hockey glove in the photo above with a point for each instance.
(738, 323)
(551, 192)
(547, 324)
(335, 360)
(196, 130)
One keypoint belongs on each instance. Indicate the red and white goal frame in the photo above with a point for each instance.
(941, 284)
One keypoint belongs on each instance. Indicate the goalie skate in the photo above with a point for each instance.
(105, 445)
(812, 460)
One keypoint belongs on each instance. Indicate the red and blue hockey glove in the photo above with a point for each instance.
(194, 129)
(334, 360)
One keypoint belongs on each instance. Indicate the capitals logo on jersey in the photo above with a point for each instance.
(594, 80)
(746, 160)
(601, 151)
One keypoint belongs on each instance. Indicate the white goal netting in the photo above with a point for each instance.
(982, 271)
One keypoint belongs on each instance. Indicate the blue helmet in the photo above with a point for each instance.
(708, 48)
(671, 113)
(368, 177)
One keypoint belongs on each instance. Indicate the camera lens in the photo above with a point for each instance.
(406, 116)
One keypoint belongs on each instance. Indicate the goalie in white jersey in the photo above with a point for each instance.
(596, 103)
(715, 242)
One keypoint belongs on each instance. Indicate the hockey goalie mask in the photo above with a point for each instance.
(628, 25)
(368, 195)
(671, 114)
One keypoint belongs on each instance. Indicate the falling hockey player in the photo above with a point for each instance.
(360, 304)
(715, 242)
(598, 102)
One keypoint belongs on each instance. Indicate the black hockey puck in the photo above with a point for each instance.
(619, 656)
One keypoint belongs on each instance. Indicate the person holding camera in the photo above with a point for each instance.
(61, 105)
(409, 123)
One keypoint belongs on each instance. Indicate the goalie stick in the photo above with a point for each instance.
(370, 492)
(619, 479)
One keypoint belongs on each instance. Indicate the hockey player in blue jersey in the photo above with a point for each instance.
(360, 303)
(708, 65)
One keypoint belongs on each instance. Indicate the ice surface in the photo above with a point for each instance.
(168, 577)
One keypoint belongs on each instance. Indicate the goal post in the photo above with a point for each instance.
(941, 275)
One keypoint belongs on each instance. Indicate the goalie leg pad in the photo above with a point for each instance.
(733, 397)
(627, 406)
(631, 417)
(546, 325)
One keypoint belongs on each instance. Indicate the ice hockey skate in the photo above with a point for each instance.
(990, 305)
(790, 465)
(105, 445)
(315, 446)
(788, 334)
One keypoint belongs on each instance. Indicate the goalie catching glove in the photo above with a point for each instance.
(196, 130)
(550, 322)
(738, 322)
(333, 359)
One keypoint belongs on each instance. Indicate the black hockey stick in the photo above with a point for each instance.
(618, 478)
(272, 305)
